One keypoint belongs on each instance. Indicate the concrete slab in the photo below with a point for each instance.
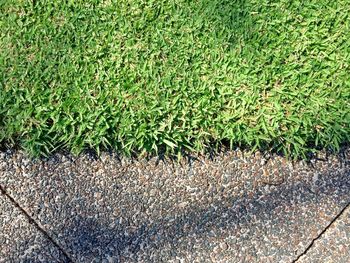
(234, 208)
(20, 241)
(334, 245)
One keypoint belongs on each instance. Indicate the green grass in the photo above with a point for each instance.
(169, 75)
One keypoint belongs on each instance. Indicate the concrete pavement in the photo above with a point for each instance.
(233, 208)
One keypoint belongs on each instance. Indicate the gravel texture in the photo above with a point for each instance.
(334, 245)
(20, 241)
(233, 207)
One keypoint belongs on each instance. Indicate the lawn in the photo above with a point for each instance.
(154, 76)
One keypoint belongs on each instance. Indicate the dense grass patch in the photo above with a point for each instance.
(150, 75)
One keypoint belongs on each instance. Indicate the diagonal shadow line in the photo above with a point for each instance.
(229, 214)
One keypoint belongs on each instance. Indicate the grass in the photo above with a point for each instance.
(171, 75)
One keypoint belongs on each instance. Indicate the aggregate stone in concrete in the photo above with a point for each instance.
(234, 207)
(22, 242)
(334, 245)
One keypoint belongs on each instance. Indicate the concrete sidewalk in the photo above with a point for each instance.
(334, 243)
(21, 241)
(233, 208)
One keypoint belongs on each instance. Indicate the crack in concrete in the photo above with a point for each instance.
(69, 258)
(35, 224)
(321, 233)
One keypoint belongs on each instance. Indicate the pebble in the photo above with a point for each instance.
(223, 246)
(151, 212)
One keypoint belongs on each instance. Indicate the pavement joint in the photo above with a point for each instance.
(35, 224)
(226, 209)
(321, 233)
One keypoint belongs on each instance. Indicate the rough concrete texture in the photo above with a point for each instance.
(334, 245)
(232, 208)
(20, 241)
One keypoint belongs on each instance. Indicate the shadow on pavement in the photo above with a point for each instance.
(278, 211)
